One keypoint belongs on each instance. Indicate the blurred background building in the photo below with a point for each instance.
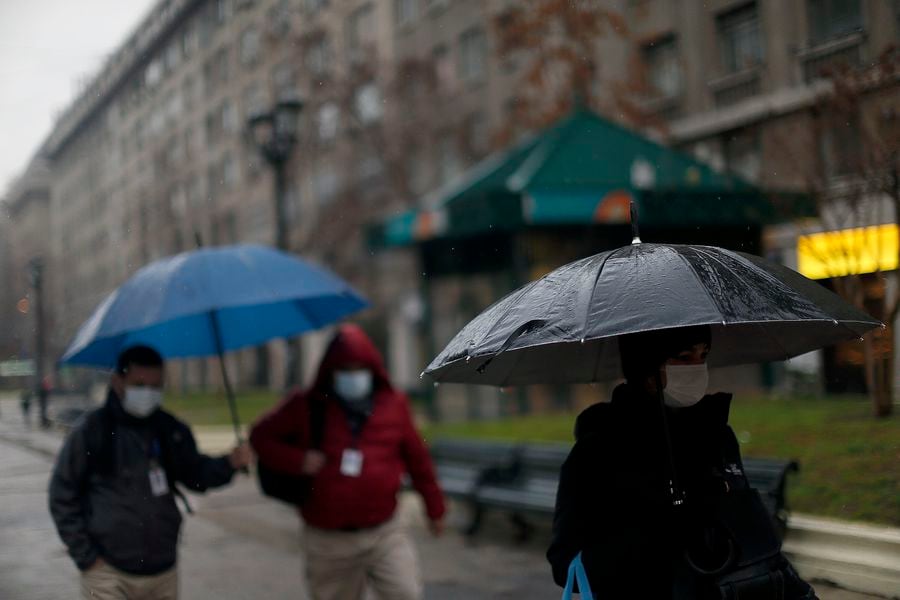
(400, 98)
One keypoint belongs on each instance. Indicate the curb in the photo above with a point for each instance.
(857, 557)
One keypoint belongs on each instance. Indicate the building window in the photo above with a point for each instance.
(830, 19)
(840, 147)
(743, 154)
(477, 136)
(448, 158)
(279, 18)
(283, 76)
(367, 104)
(443, 67)
(663, 67)
(254, 99)
(230, 173)
(472, 55)
(327, 121)
(173, 56)
(325, 183)
(360, 31)
(190, 40)
(213, 128)
(313, 6)
(249, 46)
(153, 74)
(216, 70)
(369, 167)
(739, 39)
(318, 57)
(436, 4)
(224, 10)
(229, 116)
(404, 12)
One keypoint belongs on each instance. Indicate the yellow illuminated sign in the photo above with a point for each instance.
(849, 251)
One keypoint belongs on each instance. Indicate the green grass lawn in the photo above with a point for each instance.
(849, 462)
(211, 408)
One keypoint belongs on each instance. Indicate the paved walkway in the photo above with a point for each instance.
(239, 545)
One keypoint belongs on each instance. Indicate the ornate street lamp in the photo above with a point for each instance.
(274, 133)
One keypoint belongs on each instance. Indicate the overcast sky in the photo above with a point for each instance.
(46, 47)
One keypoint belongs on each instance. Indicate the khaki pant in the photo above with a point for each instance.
(105, 582)
(340, 564)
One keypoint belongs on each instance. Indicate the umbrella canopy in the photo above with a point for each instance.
(212, 300)
(563, 327)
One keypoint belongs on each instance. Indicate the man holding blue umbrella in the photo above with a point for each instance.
(112, 493)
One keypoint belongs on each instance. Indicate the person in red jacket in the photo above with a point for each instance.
(352, 536)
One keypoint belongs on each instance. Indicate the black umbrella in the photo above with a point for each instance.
(562, 328)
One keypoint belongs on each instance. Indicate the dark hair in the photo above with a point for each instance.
(142, 356)
(643, 353)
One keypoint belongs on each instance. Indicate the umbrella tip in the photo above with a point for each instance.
(635, 231)
(422, 375)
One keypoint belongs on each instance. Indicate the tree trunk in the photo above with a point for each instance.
(882, 391)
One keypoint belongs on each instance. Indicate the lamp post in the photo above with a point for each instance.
(36, 279)
(274, 133)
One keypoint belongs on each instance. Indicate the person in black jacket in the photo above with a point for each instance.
(653, 494)
(112, 489)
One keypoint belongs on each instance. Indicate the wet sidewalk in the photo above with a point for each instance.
(239, 545)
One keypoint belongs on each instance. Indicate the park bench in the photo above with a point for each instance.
(522, 479)
(463, 465)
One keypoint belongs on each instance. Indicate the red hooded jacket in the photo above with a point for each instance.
(389, 443)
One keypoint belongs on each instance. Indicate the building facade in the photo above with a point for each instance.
(400, 97)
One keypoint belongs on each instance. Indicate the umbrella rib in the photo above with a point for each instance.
(509, 308)
(587, 313)
(309, 316)
(712, 257)
(697, 275)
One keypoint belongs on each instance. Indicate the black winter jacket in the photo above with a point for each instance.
(100, 492)
(613, 503)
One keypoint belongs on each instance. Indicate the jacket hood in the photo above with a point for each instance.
(351, 346)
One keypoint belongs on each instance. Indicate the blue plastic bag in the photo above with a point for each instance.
(577, 573)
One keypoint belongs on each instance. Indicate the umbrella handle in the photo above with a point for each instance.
(226, 381)
(675, 491)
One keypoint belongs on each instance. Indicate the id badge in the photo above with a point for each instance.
(159, 485)
(351, 462)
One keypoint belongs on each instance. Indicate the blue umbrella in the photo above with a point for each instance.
(210, 301)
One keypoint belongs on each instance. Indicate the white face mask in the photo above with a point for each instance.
(353, 385)
(685, 384)
(140, 402)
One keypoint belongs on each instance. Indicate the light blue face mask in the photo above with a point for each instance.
(353, 386)
(141, 402)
